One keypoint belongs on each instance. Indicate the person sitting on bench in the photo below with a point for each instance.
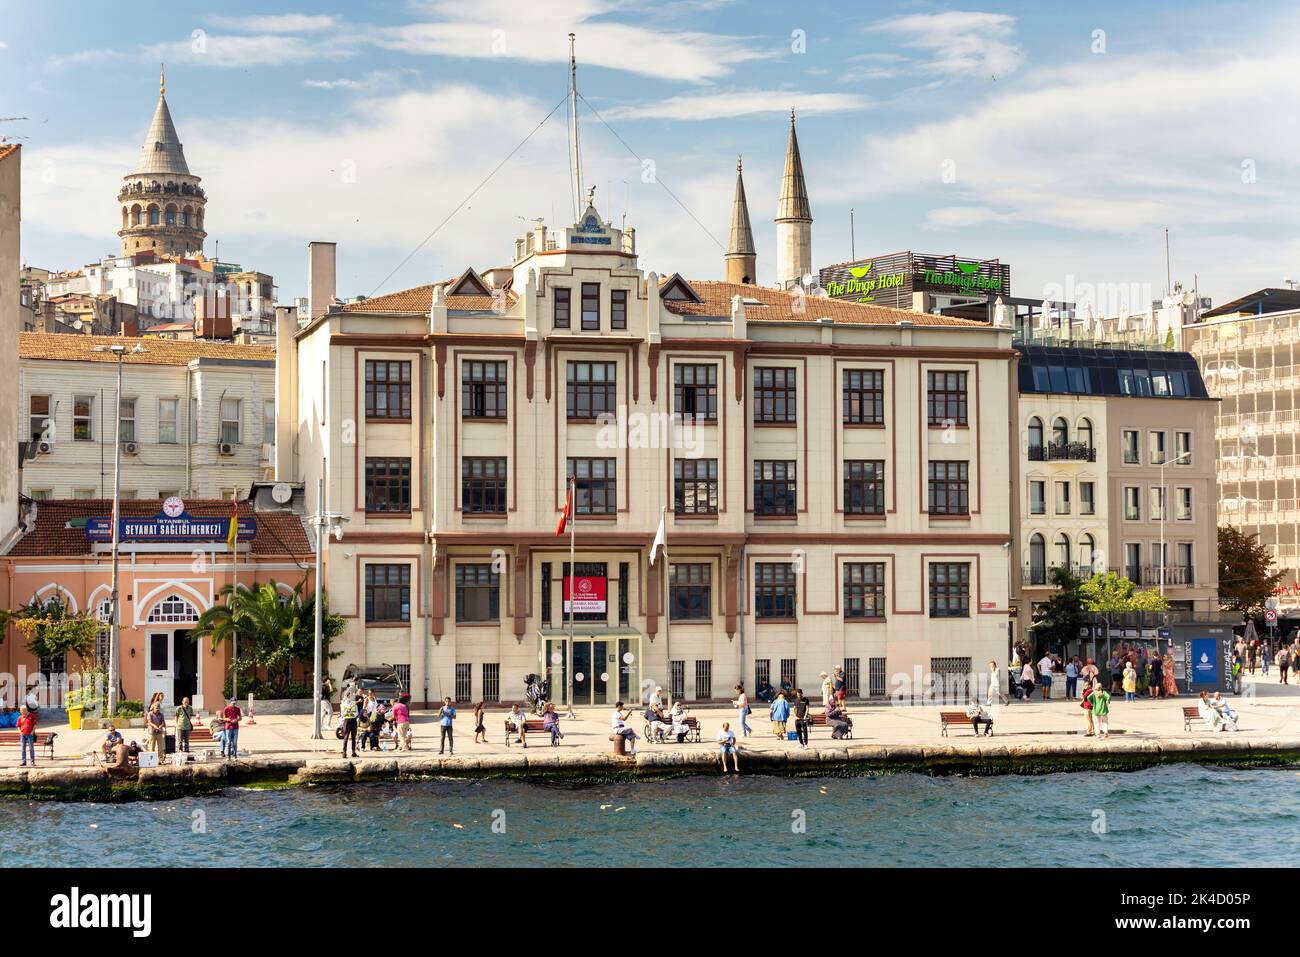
(1209, 714)
(678, 718)
(838, 720)
(517, 721)
(1220, 704)
(979, 716)
(551, 722)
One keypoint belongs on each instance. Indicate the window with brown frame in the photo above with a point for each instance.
(695, 391)
(563, 307)
(388, 593)
(950, 590)
(618, 309)
(774, 590)
(388, 485)
(775, 395)
(949, 488)
(864, 397)
(483, 389)
(695, 486)
(478, 593)
(388, 389)
(591, 306)
(864, 487)
(775, 488)
(864, 590)
(595, 485)
(483, 485)
(947, 398)
(592, 389)
(690, 589)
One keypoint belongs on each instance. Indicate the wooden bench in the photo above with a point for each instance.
(819, 721)
(531, 726)
(1190, 715)
(947, 718)
(44, 739)
(692, 731)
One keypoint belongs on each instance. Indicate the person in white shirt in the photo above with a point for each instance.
(518, 721)
(618, 722)
(1045, 667)
(995, 689)
(1220, 704)
(727, 746)
(741, 704)
(979, 716)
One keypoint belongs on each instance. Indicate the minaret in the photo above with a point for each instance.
(740, 258)
(162, 202)
(793, 219)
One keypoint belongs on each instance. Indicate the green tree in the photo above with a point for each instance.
(1244, 578)
(53, 631)
(274, 631)
(1062, 615)
(1113, 594)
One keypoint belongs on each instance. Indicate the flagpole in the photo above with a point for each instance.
(668, 641)
(573, 572)
(234, 589)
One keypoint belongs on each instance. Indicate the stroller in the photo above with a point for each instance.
(536, 693)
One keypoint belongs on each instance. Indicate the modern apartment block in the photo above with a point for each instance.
(1249, 354)
(1116, 472)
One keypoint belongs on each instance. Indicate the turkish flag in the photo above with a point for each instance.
(566, 513)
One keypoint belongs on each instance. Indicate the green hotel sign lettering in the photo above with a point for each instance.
(862, 285)
(965, 277)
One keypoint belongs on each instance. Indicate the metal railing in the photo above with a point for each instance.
(1063, 451)
(1042, 574)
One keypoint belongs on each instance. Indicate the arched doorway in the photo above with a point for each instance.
(171, 660)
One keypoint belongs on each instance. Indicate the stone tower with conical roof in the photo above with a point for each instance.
(793, 219)
(162, 202)
(740, 258)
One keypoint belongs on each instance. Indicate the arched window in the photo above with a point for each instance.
(1085, 432)
(104, 614)
(153, 215)
(136, 215)
(1035, 434)
(171, 610)
(1087, 546)
(1037, 560)
(170, 216)
(1063, 550)
(126, 217)
(185, 216)
(1060, 432)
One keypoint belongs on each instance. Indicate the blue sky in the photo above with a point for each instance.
(1061, 138)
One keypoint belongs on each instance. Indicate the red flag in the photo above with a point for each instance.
(566, 513)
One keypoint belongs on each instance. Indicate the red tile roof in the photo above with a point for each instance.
(8, 148)
(777, 304)
(418, 302)
(160, 352)
(278, 533)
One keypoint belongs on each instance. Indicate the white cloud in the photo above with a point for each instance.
(276, 23)
(712, 106)
(959, 43)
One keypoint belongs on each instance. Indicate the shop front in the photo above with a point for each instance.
(594, 668)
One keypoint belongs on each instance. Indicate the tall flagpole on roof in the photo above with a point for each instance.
(575, 160)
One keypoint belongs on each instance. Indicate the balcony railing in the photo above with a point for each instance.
(1042, 574)
(1063, 452)
(1148, 575)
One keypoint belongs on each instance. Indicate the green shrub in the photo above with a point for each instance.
(128, 708)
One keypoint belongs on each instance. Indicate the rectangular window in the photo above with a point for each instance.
(268, 422)
(591, 305)
(483, 485)
(703, 680)
(695, 486)
(464, 681)
(864, 397)
(864, 590)
(83, 418)
(762, 673)
(1062, 498)
(949, 488)
(852, 677)
(774, 590)
(1132, 503)
(388, 593)
(168, 413)
(82, 494)
(1182, 448)
(864, 487)
(1037, 497)
(482, 390)
(388, 389)
(39, 424)
(775, 488)
(876, 677)
(546, 594)
(1186, 568)
(230, 421)
(1133, 562)
(618, 309)
(690, 588)
(1157, 504)
(491, 681)
(775, 395)
(1087, 498)
(947, 398)
(1131, 454)
(388, 485)
(1156, 448)
(478, 593)
(1184, 505)
(677, 679)
(950, 590)
(789, 673)
(695, 391)
(592, 389)
(624, 582)
(126, 427)
(596, 486)
(563, 305)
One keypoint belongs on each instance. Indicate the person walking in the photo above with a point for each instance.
(801, 719)
(184, 725)
(326, 708)
(1027, 682)
(1129, 682)
(828, 689)
(838, 683)
(727, 746)
(232, 714)
(402, 725)
(1283, 663)
(780, 714)
(157, 723)
(1101, 709)
(1156, 681)
(995, 689)
(27, 733)
(350, 708)
(480, 729)
(741, 704)
(446, 715)
(1167, 675)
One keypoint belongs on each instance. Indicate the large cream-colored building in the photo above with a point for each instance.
(829, 474)
(10, 310)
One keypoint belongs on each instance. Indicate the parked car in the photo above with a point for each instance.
(382, 680)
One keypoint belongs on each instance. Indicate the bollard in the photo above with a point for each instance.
(620, 745)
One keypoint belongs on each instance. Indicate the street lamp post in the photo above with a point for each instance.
(1164, 511)
(324, 522)
(119, 350)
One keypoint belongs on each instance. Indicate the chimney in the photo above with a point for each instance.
(322, 278)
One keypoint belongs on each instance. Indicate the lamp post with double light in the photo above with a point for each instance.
(120, 351)
(324, 522)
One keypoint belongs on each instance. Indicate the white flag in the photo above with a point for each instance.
(660, 541)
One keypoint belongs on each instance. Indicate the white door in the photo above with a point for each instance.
(158, 674)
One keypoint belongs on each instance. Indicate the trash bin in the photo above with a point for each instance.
(74, 718)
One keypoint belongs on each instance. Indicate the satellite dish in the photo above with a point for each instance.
(281, 492)
(1189, 298)
(1166, 302)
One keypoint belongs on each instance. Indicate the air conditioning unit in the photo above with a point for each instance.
(44, 447)
(130, 448)
(225, 448)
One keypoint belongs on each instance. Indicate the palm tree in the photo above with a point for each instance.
(274, 630)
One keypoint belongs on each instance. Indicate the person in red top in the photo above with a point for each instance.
(232, 714)
(27, 733)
